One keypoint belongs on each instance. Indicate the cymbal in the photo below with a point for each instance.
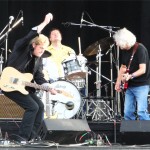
(103, 43)
(46, 54)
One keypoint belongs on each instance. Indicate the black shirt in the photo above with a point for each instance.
(141, 56)
(22, 59)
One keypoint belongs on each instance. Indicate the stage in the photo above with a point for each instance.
(67, 147)
(88, 130)
(109, 131)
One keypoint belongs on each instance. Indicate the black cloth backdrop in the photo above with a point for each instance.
(133, 14)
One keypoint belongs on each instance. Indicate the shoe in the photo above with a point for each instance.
(35, 140)
(18, 139)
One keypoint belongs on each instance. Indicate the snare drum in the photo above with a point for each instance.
(75, 67)
(63, 105)
(78, 82)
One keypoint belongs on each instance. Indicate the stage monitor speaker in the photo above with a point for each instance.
(63, 131)
(135, 132)
(9, 109)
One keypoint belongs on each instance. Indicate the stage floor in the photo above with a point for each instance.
(111, 130)
(69, 147)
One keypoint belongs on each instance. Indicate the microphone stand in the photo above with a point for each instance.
(4, 29)
(109, 29)
(106, 28)
(6, 35)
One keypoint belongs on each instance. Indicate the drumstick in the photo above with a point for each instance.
(79, 43)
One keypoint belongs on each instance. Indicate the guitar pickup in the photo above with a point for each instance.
(14, 80)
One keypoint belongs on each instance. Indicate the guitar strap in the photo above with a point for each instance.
(134, 50)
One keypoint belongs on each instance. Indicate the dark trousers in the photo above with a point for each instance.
(34, 112)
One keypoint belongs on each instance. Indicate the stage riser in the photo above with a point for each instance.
(135, 132)
(11, 127)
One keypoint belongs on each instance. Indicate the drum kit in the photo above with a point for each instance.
(76, 78)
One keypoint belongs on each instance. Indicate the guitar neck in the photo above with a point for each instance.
(37, 86)
(127, 71)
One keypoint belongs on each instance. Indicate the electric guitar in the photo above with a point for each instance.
(13, 80)
(125, 84)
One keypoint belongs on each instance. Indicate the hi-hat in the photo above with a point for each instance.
(103, 44)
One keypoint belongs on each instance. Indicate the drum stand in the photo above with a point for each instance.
(98, 109)
(1, 63)
(101, 110)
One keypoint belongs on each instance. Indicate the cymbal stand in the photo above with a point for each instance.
(101, 110)
(98, 76)
(118, 93)
(1, 60)
(101, 75)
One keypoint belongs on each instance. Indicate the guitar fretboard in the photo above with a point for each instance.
(37, 86)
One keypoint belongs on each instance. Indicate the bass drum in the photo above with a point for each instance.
(63, 105)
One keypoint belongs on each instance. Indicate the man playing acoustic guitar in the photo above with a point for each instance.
(26, 58)
(134, 73)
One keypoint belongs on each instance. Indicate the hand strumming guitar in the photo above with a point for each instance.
(53, 91)
(126, 77)
(118, 87)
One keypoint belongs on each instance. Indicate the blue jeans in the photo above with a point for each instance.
(136, 97)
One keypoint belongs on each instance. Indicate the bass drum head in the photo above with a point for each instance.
(63, 105)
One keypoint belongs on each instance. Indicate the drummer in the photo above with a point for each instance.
(59, 53)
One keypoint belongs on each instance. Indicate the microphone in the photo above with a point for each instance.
(22, 18)
(81, 19)
(11, 18)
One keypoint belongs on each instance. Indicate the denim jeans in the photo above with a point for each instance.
(136, 97)
(33, 116)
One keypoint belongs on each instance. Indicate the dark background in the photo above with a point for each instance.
(132, 14)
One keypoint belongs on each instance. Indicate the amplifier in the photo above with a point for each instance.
(9, 109)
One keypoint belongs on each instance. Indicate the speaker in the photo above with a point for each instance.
(9, 109)
(63, 131)
(135, 131)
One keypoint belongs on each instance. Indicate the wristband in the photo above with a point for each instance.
(132, 76)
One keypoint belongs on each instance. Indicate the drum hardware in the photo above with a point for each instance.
(96, 48)
(1, 60)
(69, 105)
(94, 109)
(95, 62)
(64, 107)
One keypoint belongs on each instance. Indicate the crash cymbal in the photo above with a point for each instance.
(103, 43)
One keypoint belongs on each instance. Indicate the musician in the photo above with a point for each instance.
(137, 78)
(26, 58)
(59, 53)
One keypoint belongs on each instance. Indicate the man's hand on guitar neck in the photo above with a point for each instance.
(52, 90)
